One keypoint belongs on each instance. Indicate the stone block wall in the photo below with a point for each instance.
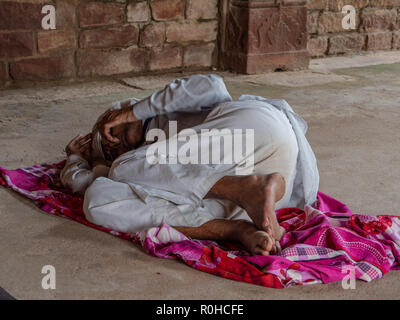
(377, 26)
(264, 36)
(105, 38)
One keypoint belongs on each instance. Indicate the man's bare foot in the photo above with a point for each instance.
(258, 198)
(257, 194)
(256, 241)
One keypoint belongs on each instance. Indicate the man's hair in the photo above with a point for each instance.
(98, 154)
(97, 147)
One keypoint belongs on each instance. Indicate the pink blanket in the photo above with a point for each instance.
(323, 243)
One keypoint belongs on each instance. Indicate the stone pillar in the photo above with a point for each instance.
(263, 35)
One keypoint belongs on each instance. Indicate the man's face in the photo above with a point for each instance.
(130, 137)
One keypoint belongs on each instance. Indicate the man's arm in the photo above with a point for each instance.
(189, 94)
(77, 173)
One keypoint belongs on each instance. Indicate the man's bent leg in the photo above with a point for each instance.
(257, 194)
(254, 240)
(115, 205)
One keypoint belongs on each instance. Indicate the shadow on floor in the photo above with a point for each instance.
(4, 295)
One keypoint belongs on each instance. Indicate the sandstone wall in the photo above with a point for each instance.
(377, 26)
(105, 38)
(116, 37)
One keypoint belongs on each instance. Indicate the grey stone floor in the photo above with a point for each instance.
(352, 105)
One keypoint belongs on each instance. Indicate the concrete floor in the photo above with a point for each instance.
(353, 115)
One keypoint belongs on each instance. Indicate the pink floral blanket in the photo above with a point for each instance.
(323, 243)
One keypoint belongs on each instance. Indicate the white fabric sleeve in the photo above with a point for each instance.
(78, 175)
(123, 103)
(189, 94)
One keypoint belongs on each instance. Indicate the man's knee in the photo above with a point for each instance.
(100, 197)
(94, 197)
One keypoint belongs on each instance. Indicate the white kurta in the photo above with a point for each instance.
(138, 194)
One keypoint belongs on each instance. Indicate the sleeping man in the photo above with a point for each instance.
(247, 158)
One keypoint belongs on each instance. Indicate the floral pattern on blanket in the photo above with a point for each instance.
(323, 243)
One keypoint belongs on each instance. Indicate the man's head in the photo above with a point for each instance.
(130, 136)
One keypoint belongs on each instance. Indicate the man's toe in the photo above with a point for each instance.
(264, 241)
(258, 251)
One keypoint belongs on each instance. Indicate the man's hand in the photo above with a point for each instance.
(113, 118)
(81, 146)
